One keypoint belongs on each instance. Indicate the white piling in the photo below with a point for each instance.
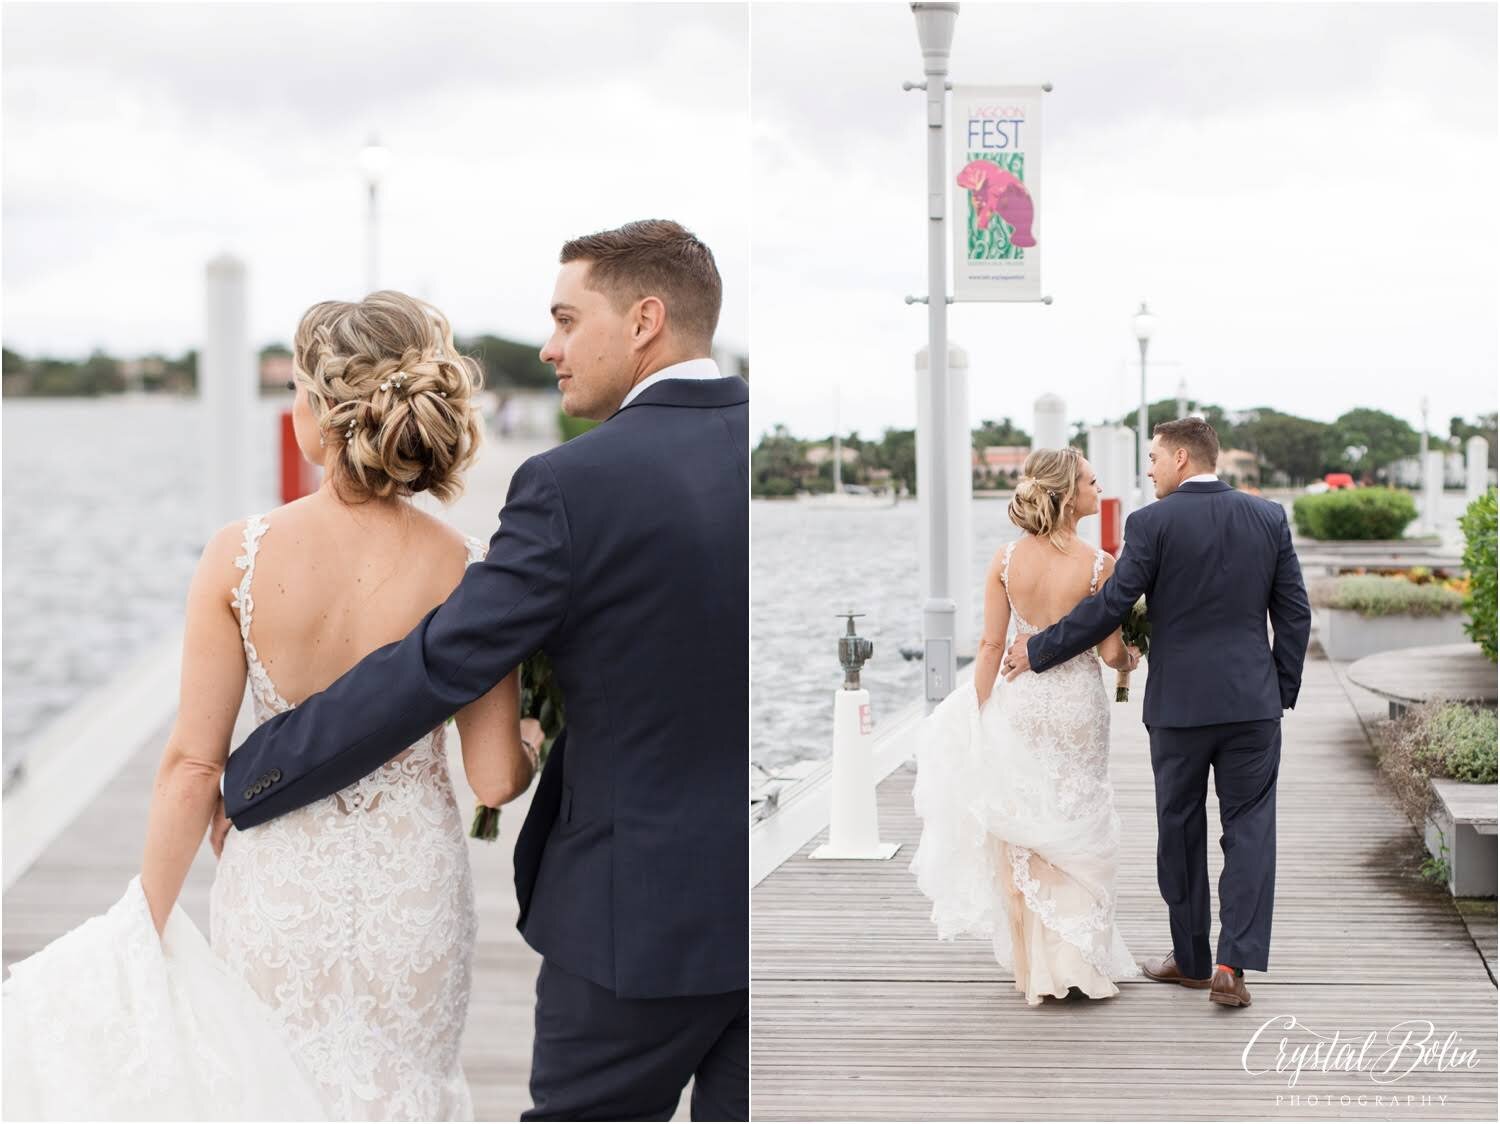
(227, 395)
(1477, 466)
(959, 479)
(1049, 427)
(1111, 452)
(1432, 490)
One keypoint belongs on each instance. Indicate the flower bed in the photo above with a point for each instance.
(1364, 614)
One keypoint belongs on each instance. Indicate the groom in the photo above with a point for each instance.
(623, 554)
(1213, 563)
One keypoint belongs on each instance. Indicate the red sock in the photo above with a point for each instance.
(1227, 968)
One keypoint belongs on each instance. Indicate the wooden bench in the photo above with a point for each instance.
(1408, 676)
(1463, 818)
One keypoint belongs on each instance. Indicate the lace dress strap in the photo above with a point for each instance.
(1098, 567)
(239, 597)
(244, 604)
(477, 549)
(1005, 566)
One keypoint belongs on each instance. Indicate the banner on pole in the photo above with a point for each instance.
(996, 193)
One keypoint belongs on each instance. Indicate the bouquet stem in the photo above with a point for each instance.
(1122, 686)
(486, 823)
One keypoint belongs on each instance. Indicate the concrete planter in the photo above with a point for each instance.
(1348, 636)
(1463, 818)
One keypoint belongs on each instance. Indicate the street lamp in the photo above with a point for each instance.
(374, 160)
(935, 24)
(1145, 324)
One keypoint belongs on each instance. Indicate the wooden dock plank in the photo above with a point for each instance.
(860, 1013)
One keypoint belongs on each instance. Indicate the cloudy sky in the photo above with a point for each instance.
(1305, 195)
(140, 140)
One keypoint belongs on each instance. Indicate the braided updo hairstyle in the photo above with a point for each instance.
(392, 396)
(1048, 483)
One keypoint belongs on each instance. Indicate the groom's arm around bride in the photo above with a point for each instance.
(622, 554)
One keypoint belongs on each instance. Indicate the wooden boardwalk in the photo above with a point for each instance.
(86, 868)
(860, 1013)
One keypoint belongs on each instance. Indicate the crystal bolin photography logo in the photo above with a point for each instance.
(1409, 1045)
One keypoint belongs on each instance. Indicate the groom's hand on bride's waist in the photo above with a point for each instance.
(1017, 661)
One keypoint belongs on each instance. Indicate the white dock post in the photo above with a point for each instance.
(1049, 426)
(958, 475)
(854, 823)
(227, 393)
(961, 506)
(1432, 490)
(1477, 479)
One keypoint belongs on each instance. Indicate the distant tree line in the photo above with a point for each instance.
(1291, 450)
(508, 364)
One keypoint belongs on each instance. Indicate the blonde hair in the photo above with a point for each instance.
(1048, 483)
(391, 394)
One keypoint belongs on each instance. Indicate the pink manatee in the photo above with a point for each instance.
(996, 192)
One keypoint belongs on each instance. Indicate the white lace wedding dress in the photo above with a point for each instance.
(337, 985)
(1020, 837)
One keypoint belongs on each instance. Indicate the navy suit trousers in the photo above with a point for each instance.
(1245, 758)
(597, 1056)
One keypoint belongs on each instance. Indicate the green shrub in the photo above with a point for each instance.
(1354, 514)
(1478, 525)
(1375, 596)
(1437, 739)
(1461, 740)
(571, 427)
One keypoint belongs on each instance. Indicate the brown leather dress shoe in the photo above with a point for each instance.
(1165, 970)
(1229, 989)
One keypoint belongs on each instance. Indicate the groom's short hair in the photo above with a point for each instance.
(655, 258)
(1196, 436)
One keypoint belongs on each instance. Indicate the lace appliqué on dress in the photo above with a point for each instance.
(1018, 815)
(354, 918)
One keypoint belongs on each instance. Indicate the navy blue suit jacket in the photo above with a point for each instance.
(624, 555)
(1212, 562)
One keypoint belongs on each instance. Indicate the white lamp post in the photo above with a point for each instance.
(1145, 324)
(374, 160)
(935, 24)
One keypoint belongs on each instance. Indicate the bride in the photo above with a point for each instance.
(1020, 837)
(337, 980)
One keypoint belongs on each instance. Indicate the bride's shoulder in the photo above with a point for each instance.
(1000, 560)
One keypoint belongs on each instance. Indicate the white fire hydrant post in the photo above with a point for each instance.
(854, 823)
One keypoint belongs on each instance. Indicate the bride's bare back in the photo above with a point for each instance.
(335, 581)
(1046, 583)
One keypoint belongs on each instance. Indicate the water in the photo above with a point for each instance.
(102, 530)
(810, 563)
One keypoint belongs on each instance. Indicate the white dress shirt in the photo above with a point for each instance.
(1203, 478)
(691, 369)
